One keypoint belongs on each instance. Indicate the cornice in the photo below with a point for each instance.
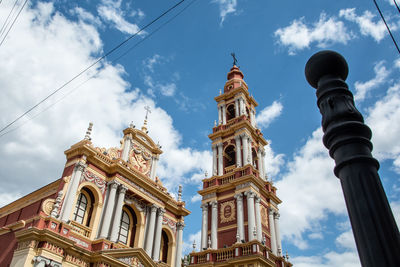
(241, 89)
(26, 200)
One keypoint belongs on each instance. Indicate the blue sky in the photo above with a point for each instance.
(178, 71)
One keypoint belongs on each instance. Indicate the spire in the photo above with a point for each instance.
(180, 193)
(89, 131)
(235, 72)
(144, 127)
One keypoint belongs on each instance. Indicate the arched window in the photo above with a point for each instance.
(164, 247)
(230, 156)
(124, 228)
(84, 207)
(230, 112)
(127, 228)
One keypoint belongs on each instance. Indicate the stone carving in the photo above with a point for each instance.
(131, 261)
(47, 206)
(227, 212)
(137, 202)
(264, 216)
(79, 242)
(141, 189)
(171, 224)
(112, 153)
(99, 182)
(27, 244)
(76, 261)
(139, 158)
(57, 204)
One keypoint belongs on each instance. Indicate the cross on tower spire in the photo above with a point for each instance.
(148, 110)
(234, 58)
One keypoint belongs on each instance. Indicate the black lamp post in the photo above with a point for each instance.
(348, 140)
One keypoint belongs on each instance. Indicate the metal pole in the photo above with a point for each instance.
(348, 140)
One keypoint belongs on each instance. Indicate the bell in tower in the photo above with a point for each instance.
(240, 216)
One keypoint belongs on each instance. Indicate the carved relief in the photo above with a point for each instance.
(112, 153)
(227, 212)
(53, 248)
(131, 261)
(99, 182)
(171, 224)
(47, 206)
(264, 216)
(139, 158)
(76, 261)
(27, 244)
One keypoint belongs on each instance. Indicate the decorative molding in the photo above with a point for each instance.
(211, 195)
(137, 202)
(27, 244)
(171, 224)
(79, 242)
(248, 184)
(57, 204)
(264, 216)
(47, 206)
(141, 189)
(227, 212)
(76, 261)
(92, 178)
(131, 261)
(53, 248)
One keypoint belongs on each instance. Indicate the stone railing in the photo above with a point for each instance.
(80, 229)
(253, 248)
(233, 174)
(230, 123)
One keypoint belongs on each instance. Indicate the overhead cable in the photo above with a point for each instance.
(98, 71)
(15, 19)
(93, 64)
(387, 26)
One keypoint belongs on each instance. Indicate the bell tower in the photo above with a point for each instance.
(240, 217)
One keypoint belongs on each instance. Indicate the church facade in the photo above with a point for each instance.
(108, 209)
(240, 215)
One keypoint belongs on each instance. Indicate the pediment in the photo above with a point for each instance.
(136, 257)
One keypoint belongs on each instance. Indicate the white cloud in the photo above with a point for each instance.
(273, 162)
(268, 114)
(368, 27)
(330, 259)
(167, 89)
(310, 191)
(188, 242)
(381, 117)
(226, 7)
(86, 16)
(363, 88)
(151, 61)
(196, 198)
(326, 31)
(52, 49)
(111, 11)
(396, 211)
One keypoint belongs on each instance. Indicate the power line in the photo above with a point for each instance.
(91, 77)
(9, 14)
(395, 3)
(15, 19)
(90, 66)
(387, 26)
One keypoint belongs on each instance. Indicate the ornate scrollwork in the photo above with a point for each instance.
(227, 212)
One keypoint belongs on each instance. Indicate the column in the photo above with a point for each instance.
(223, 114)
(150, 230)
(204, 226)
(214, 224)
(272, 230)
(250, 159)
(154, 167)
(250, 214)
(118, 211)
(241, 106)
(240, 221)
(157, 239)
(263, 163)
(127, 147)
(105, 228)
(214, 168)
(260, 165)
(238, 152)
(179, 227)
(278, 236)
(146, 225)
(219, 115)
(71, 193)
(245, 149)
(220, 160)
(236, 107)
(258, 218)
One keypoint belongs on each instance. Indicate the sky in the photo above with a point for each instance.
(177, 70)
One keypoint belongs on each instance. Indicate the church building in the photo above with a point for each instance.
(109, 208)
(240, 216)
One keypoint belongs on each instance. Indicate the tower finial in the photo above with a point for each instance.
(89, 131)
(144, 127)
(234, 59)
(180, 193)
